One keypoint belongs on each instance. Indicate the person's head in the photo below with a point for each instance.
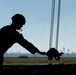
(18, 20)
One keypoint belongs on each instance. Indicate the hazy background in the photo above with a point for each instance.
(38, 21)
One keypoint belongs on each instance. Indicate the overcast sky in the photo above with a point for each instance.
(38, 21)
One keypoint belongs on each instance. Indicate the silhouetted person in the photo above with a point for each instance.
(9, 35)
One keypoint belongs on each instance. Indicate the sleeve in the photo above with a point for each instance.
(27, 45)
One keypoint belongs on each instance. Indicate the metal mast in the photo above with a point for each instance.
(52, 23)
(57, 34)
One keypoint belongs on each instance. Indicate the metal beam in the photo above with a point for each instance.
(52, 23)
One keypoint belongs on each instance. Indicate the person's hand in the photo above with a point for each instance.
(42, 53)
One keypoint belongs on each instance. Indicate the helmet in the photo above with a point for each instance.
(18, 19)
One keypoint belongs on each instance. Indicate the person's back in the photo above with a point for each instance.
(7, 38)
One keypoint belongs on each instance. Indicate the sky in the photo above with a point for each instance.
(38, 22)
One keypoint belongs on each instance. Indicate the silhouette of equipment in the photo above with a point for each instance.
(52, 52)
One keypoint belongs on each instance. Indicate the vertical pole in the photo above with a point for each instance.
(57, 34)
(52, 23)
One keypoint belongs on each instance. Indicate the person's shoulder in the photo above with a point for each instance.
(5, 27)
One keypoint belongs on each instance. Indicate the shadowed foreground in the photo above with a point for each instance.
(40, 69)
(39, 65)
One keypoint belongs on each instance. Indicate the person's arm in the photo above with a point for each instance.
(29, 46)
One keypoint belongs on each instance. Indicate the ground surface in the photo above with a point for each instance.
(39, 65)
